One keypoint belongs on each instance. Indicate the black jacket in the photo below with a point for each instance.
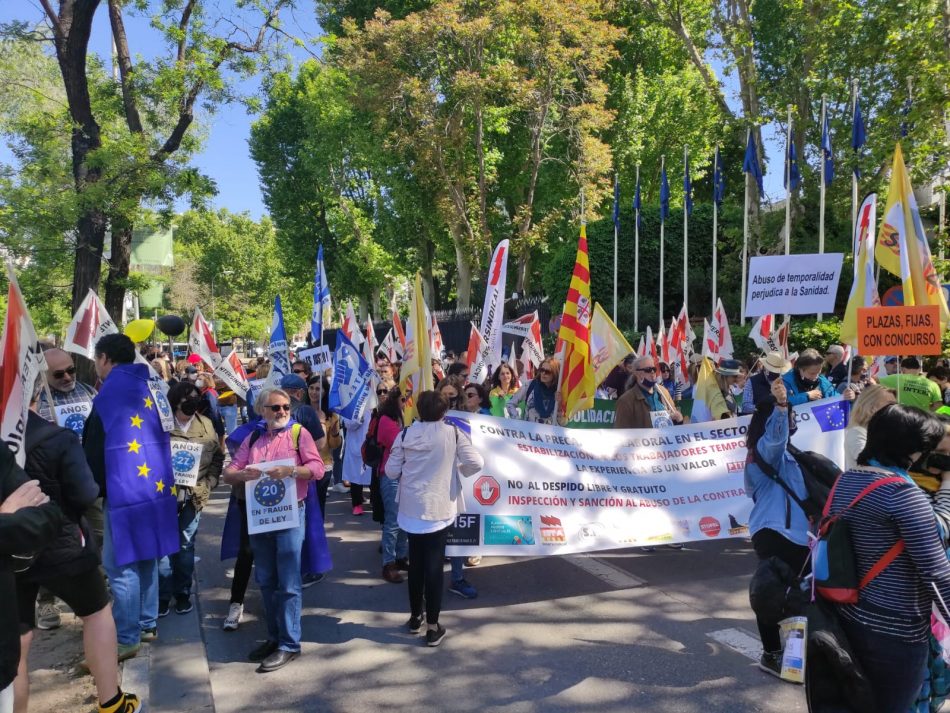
(21, 532)
(55, 458)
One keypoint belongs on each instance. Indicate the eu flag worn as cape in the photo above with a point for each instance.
(141, 496)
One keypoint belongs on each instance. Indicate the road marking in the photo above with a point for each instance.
(605, 571)
(740, 641)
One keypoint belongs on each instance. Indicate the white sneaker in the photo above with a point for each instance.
(235, 613)
(339, 488)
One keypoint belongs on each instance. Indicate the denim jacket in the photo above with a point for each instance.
(773, 508)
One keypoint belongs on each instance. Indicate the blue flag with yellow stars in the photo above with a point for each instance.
(141, 498)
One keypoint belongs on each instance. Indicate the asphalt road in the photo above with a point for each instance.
(620, 631)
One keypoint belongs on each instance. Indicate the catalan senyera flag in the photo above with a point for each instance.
(902, 247)
(577, 371)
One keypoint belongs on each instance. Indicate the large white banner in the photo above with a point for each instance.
(793, 284)
(548, 490)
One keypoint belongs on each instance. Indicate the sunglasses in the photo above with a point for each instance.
(648, 370)
(545, 371)
(472, 394)
(382, 392)
(60, 373)
(300, 371)
(277, 408)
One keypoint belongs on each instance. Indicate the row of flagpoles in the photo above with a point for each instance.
(753, 172)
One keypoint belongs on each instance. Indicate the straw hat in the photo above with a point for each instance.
(776, 363)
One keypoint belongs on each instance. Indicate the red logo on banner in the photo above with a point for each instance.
(709, 526)
(487, 490)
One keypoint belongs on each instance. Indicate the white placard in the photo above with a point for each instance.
(793, 284)
(318, 358)
(186, 460)
(73, 416)
(161, 403)
(271, 504)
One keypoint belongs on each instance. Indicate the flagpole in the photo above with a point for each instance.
(821, 185)
(616, 238)
(715, 226)
(745, 236)
(662, 226)
(685, 232)
(854, 173)
(636, 262)
(788, 183)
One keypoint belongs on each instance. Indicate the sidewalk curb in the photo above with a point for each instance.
(135, 675)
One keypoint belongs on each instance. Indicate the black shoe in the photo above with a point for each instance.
(416, 623)
(310, 579)
(771, 663)
(183, 605)
(403, 564)
(276, 660)
(262, 651)
(162, 609)
(434, 637)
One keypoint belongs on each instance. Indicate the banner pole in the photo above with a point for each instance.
(616, 238)
(788, 183)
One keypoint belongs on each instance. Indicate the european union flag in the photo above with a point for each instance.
(141, 496)
(719, 180)
(751, 162)
(687, 189)
(637, 202)
(832, 416)
(664, 196)
(826, 153)
(792, 175)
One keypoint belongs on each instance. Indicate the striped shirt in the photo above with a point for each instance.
(80, 394)
(898, 602)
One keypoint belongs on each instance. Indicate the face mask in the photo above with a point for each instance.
(809, 383)
(648, 382)
(189, 407)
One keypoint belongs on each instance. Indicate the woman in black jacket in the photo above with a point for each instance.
(27, 521)
(69, 566)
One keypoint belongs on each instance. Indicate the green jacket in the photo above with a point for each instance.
(212, 458)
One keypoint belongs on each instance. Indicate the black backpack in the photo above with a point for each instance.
(818, 471)
(372, 450)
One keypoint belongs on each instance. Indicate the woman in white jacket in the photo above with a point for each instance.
(427, 459)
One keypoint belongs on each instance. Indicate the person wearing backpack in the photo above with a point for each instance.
(899, 557)
(777, 523)
(395, 543)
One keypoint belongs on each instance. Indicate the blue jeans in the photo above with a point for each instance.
(134, 591)
(277, 571)
(230, 416)
(176, 572)
(395, 540)
(457, 564)
(337, 465)
(894, 668)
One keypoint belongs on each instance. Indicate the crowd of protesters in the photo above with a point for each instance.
(74, 510)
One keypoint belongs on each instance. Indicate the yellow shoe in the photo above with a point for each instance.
(127, 703)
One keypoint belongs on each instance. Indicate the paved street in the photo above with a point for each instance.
(623, 631)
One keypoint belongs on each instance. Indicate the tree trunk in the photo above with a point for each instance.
(118, 275)
(464, 281)
(523, 284)
(428, 280)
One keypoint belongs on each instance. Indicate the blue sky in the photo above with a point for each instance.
(226, 156)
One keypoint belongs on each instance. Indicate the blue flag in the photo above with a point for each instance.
(617, 202)
(664, 196)
(351, 380)
(321, 299)
(278, 350)
(832, 416)
(142, 499)
(636, 202)
(792, 175)
(751, 162)
(719, 180)
(687, 189)
(828, 162)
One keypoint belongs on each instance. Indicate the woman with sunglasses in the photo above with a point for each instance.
(318, 390)
(277, 554)
(537, 400)
(395, 545)
(477, 400)
(504, 385)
